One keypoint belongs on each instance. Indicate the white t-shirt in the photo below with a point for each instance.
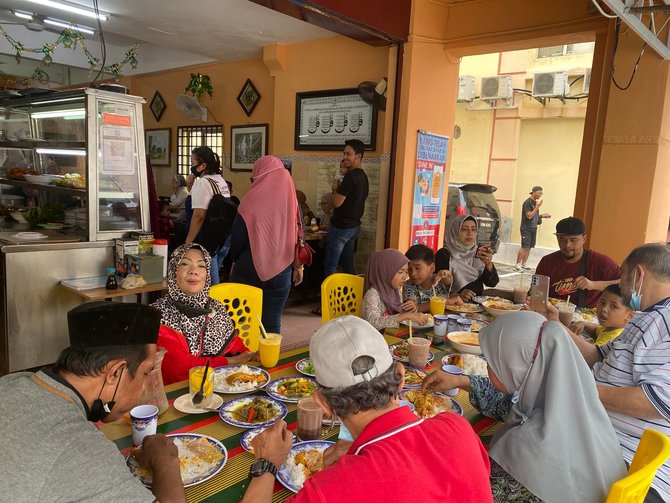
(201, 192)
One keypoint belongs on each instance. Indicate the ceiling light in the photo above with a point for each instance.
(68, 7)
(72, 26)
(23, 14)
(60, 151)
(51, 114)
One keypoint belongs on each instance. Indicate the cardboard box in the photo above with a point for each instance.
(123, 248)
(146, 241)
(150, 267)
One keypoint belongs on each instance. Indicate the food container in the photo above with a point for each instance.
(457, 340)
(150, 267)
(12, 200)
(497, 309)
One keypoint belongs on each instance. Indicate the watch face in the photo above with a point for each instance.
(262, 466)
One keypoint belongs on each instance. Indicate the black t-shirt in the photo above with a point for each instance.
(529, 223)
(354, 188)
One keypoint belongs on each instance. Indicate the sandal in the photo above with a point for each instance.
(316, 311)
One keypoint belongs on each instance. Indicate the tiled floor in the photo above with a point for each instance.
(298, 324)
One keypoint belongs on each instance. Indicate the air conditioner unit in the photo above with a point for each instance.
(466, 88)
(587, 81)
(550, 85)
(496, 88)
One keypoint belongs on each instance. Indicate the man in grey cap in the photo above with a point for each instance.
(530, 219)
(358, 381)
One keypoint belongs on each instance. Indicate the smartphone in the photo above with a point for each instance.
(539, 293)
(485, 244)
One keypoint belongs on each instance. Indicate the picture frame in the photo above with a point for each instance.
(248, 97)
(158, 145)
(157, 106)
(247, 144)
(325, 119)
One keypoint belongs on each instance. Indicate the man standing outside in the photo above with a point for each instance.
(632, 372)
(349, 197)
(576, 270)
(530, 219)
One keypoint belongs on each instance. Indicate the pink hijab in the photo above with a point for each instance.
(269, 210)
(382, 266)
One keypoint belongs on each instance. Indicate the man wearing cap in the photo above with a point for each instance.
(50, 448)
(530, 219)
(395, 456)
(575, 271)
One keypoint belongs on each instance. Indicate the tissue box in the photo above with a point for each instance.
(124, 247)
(150, 267)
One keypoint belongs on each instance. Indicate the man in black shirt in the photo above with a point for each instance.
(349, 197)
(530, 219)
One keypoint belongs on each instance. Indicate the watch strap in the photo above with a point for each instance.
(261, 466)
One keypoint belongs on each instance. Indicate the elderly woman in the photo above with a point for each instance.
(194, 327)
(327, 207)
(180, 192)
(557, 443)
(471, 265)
(264, 235)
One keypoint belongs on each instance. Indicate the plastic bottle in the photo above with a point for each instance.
(161, 248)
(111, 279)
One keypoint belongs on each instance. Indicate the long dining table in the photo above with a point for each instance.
(230, 483)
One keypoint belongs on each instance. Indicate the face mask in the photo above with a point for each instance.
(636, 297)
(194, 170)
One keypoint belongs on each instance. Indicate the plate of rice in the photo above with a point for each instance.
(473, 365)
(291, 389)
(304, 460)
(200, 458)
(427, 404)
(305, 366)
(239, 378)
(252, 411)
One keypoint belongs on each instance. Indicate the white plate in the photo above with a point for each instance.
(183, 404)
(240, 368)
(29, 235)
(283, 475)
(430, 323)
(431, 355)
(464, 348)
(227, 415)
(247, 436)
(473, 308)
(301, 367)
(455, 406)
(273, 387)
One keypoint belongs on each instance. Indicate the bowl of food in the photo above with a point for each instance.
(47, 179)
(497, 308)
(465, 342)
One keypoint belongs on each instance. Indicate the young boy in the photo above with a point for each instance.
(422, 279)
(613, 315)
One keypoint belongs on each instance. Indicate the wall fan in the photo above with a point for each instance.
(190, 107)
(374, 94)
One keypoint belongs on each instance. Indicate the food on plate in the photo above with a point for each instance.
(464, 308)
(401, 350)
(18, 173)
(308, 368)
(468, 338)
(427, 404)
(474, 366)
(456, 360)
(303, 464)
(501, 306)
(257, 410)
(298, 387)
(414, 376)
(476, 326)
(243, 378)
(240, 378)
(71, 180)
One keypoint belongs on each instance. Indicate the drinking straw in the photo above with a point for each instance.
(567, 302)
(410, 330)
(434, 294)
(263, 332)
(521, 280)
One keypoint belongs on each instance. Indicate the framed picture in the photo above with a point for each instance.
(325, 119)
(157, 106)
(247, 144)
(248, 97)
(157, 144)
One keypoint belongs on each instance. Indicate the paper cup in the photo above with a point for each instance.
(441, 323)
(144, 421)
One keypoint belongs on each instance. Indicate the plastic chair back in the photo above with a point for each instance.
(652, 451)
(341, 294)
(243, 303)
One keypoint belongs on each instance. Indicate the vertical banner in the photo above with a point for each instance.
(431, 160)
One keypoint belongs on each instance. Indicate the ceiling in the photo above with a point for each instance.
(171, 33)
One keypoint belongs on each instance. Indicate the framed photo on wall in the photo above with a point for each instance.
(325, 119)
(158, 143)
(157, 106)
(247, 144)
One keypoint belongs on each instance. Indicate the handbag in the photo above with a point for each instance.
(303, 252)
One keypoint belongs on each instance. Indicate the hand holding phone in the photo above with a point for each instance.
(539, 293)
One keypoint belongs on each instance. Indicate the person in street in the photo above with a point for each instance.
(358, 381)
(530, 219)
(349, 197)
(575, 271)
(51, 449)
(632, 372)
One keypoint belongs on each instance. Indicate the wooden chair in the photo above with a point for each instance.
(341, 294)
(244, 304)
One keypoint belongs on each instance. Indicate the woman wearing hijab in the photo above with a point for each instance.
(382, 302)
(471, 265)
(194, 327)
(557, 443)
(264, 235)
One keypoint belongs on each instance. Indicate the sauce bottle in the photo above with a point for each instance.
(111, 279)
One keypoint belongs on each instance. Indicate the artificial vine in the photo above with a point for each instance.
(199, 85)
(70, 39)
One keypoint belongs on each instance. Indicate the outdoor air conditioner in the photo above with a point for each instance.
(466, 88)
(587, 81)
(496, 88)
(550, 85)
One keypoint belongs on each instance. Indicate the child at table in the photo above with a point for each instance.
(613, 315)
(382, 302)
(423, 282)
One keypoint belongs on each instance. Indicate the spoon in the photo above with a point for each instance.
(198, 397)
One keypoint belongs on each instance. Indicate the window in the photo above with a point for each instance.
(564, 50)
(190, 137)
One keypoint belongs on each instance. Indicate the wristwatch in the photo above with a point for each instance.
(262, 466)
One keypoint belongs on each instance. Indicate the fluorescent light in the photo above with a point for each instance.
(61, 151)
(75, 9)
(23, 15)
(73, 26)
(60, 100)
(52, 114)
(303, 136)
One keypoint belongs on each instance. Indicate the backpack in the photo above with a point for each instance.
(218, 222)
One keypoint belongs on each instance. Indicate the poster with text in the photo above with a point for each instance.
(431, 160)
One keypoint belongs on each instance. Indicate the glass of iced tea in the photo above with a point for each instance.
(310, 416)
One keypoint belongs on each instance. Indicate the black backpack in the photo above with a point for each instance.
(218, 220)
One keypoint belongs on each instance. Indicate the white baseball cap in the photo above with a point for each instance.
(337, 344)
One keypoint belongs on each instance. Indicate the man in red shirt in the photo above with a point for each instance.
(575, 271)
(395, 456)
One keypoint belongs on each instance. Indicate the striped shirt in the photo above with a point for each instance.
(640, 356)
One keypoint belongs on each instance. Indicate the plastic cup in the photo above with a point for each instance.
(418, 352)
(143, 421)
(195, 375)
(268, 348)
(310, 416)
(437, 305)
(441, 323)
(566, 313)
(520, 294)
(455, 370)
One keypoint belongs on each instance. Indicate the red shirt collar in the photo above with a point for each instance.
(393, 419)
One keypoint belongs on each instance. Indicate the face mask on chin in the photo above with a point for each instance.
(635, 301)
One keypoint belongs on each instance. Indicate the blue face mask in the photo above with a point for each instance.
(635, 302)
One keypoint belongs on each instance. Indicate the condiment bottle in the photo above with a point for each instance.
(161, 248)
(111, 279)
